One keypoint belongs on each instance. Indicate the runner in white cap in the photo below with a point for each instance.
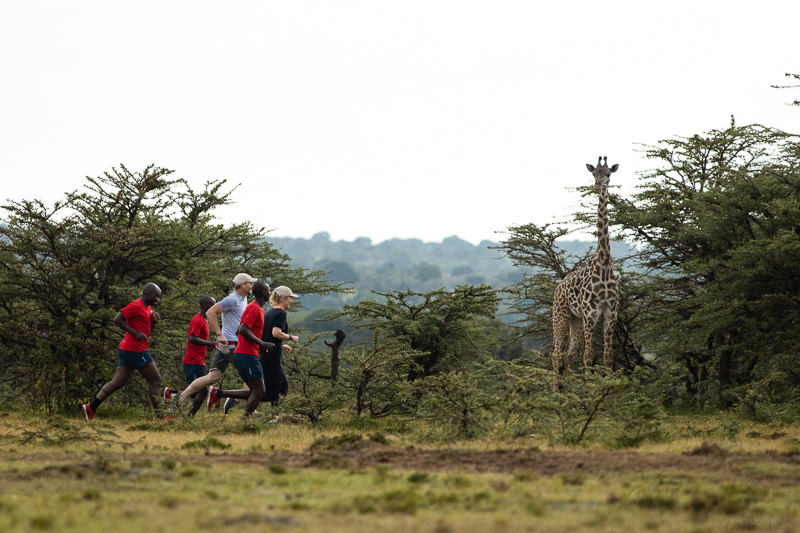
(231, 307)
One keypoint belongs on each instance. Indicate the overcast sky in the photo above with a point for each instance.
(380, 119)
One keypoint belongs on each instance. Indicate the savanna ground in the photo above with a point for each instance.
(125, 472)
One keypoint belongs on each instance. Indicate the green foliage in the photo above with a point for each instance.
(718, 223)
(59, 431)
(618, 410)
(456, 401)
(312, 392)
(436, 324)
(277, 469)
(770, 399)
(206, 443)
(638, 412)
(580, 402)
(427, 272)
(394, 501)
(375, 377)
(731, 499)
(339, 271)
(67, 268)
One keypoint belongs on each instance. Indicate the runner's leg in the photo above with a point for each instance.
(257, 390)
(201, 384)
(121, 377)
(239, 394)
(200, 396)
(150, 373)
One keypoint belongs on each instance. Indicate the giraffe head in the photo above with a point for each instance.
(602, 174)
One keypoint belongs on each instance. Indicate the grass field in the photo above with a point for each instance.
(121, 474)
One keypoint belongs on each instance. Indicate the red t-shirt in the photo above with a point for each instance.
(137, 315)
(196, 355)
(253, 318)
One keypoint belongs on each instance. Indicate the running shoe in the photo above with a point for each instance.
(169, 398)
(212, 397)
(87, 411)
(230, 403)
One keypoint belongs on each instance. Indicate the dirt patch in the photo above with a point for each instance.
(364, 454)
(260, 519)
(370, 454)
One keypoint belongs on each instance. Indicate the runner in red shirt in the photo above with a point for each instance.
(246, 356)
(194, 360)
(136, 319)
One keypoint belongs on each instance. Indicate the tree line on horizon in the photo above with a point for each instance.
(400, 264)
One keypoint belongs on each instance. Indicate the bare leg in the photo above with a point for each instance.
(121, 377)
(150, 373)
(253, 393)
(239, 394)
(199, 399)
(201, 384)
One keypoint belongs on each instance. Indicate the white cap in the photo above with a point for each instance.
(243, 278)
(283, 291)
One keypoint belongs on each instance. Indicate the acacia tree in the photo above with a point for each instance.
(376, 376)
(718, 219)
(67, 268)
(436, 324)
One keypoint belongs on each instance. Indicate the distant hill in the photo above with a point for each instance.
(398, 264)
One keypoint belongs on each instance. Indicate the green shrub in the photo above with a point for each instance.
(207, 443)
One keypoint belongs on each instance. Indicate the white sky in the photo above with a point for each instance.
(380, 119)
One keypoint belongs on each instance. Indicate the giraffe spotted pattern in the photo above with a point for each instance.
(589, 294)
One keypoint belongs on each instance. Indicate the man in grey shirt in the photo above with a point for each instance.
(231, 307)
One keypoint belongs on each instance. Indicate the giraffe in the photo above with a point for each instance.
(589, 293)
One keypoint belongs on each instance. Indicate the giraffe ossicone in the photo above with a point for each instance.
(590, 293)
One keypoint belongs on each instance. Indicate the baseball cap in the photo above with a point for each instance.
(284, 291)
(243, 278)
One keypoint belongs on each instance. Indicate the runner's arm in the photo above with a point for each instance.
(278, 334)
(211, 314)
(194, 339)
(121, 323)
(248, 334)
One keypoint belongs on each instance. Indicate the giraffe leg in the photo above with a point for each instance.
(560, 329)
(575, 328)
(588, 334)
(608, 337)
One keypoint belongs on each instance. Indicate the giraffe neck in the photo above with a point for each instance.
(603, 253)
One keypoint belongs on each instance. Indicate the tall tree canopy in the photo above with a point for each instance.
(718, 220)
